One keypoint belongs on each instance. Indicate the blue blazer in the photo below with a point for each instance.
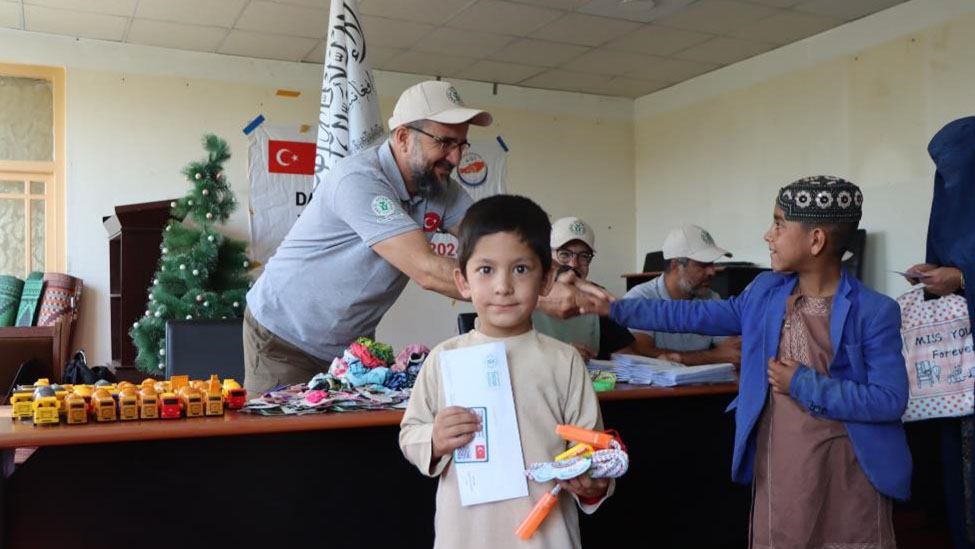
(868, 390)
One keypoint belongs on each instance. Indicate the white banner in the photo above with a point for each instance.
(286, 165)
(349, 117)
(280, 166)
(482, 170)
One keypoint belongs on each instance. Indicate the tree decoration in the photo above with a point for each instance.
(201, 274)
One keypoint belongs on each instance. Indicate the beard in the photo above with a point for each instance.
(428, 184)
(700, 291)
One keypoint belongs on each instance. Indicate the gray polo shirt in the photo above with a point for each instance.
(657, 289)
(325, 286)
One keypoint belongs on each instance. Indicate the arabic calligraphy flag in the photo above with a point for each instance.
(286, 164)
(349, 118)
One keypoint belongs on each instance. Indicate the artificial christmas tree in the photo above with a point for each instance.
(201, 274)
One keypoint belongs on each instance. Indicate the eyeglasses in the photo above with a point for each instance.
(565, 256)
(447, 144)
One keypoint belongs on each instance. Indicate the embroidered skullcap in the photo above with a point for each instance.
(821, 198)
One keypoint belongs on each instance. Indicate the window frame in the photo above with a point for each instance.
(52, 173)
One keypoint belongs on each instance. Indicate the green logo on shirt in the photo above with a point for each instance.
(382, 206)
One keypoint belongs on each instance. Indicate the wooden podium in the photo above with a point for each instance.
(134, 239)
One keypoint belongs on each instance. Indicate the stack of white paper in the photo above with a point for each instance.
(639, 369)
(686, 375)
(601, 365)
(642, 370)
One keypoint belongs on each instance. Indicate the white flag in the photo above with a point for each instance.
(280, 165)
(481, 173)
(349, 119)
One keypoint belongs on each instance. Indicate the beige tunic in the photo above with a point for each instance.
(810, 492)
(550, 386)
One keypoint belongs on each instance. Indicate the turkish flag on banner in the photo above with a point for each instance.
(295, 157)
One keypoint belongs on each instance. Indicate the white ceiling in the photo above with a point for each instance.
(608, 47)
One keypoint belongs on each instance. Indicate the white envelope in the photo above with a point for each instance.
(491, 467)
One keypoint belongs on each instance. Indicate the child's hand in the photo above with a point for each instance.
(586, 487)
(452, 428)
(780, 374)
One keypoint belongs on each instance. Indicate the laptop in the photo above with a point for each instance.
(200, 348)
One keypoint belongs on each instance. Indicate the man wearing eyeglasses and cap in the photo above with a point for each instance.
(573, 248)
(690, 252)
(361, 238)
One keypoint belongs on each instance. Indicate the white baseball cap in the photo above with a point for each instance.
(438, 101)
(567, 229)
(692, 242)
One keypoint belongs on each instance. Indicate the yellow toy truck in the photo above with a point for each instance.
(84, 391)
(45, 406)
(191, 401)
(178, 382)
(148, 402)
(75, 409)
(213, 393)
(102, 406)
(128, 403)
(21, 402)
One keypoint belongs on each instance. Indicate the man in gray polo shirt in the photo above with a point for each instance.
(691, 253)
(364, 234)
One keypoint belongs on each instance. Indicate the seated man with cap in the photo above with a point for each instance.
(690, 253)
(573, 242)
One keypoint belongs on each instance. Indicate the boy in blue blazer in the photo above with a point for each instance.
(823, 383)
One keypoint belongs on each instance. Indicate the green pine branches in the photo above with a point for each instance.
(201, 274)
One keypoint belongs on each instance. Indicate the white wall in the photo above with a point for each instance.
(860, 101)
(135, 116)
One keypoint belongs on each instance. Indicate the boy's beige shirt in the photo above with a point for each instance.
(550, 386)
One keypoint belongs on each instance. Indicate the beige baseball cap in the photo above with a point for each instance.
(567, 229)
(438, 101)
(692, 242)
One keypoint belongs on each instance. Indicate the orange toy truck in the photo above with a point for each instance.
(148, 402)
(128, 403)
(102, 405)
(191, 401)
(75, 409)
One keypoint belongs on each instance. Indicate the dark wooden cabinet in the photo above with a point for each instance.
(48, 346)
(134, 238)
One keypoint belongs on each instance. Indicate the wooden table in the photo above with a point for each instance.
(20, 434)
(246, 480)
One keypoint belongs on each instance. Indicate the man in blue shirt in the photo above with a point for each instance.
(690, 252)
